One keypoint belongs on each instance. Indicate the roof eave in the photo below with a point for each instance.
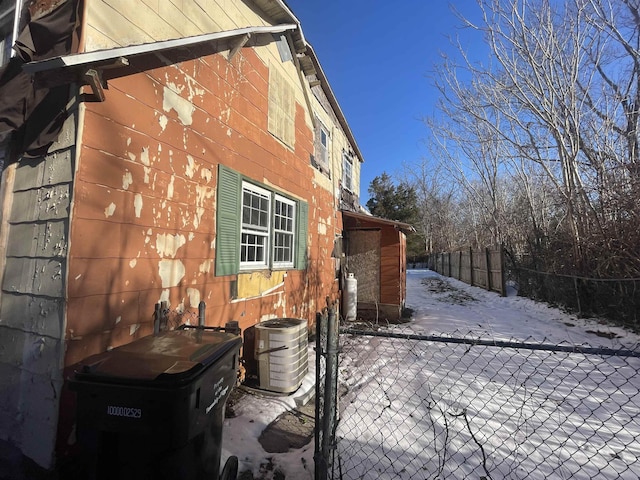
(406, 228)
(99, 57)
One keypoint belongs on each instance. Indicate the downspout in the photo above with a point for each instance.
(83, 23)
(16, 24)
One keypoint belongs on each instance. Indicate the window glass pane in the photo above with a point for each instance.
(284, 222)
(347, 175)
(254, 243)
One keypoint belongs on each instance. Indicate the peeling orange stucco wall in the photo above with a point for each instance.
(143, 222)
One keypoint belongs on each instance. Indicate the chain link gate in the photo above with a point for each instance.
(413, 406)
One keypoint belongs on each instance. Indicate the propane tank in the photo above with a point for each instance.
(350, 297)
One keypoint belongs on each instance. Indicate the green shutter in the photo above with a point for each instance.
(301, 236)
(228, 222)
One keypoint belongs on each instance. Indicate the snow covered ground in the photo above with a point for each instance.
(415, 409)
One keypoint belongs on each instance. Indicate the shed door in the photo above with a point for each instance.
(363, 260)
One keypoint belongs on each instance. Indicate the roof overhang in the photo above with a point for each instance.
(362, 219)
(95, 68)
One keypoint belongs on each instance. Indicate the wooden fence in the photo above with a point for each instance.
(482, 268)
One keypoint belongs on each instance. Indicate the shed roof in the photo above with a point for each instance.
(406, 228)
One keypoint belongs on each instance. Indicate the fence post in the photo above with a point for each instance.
(503, 280)
(156, 319)
(471, 266)
(331, 387)
(575, 286)
(449, 259)
(487, 255)
(202, 307)
(320, 462)
(459, 277)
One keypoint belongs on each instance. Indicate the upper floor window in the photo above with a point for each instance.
(347, 171)
(281, 116)
(321, 147)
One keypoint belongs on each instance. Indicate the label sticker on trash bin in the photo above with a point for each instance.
(219, 392)
(117, 411)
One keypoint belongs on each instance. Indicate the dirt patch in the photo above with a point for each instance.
(267, 471)
(447, 293)
(436, 285)
(608, 335)
(291, 430)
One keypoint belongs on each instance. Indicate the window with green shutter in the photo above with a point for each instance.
(257, 228)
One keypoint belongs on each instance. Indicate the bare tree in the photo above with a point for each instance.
(435, 199)
(547, 128)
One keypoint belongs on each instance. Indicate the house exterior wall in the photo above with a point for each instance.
(144, 222)
(36, 211)
(338, 145)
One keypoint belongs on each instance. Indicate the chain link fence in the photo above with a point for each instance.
(411, 406)
(167, 319)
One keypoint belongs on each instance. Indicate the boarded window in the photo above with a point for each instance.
(281, 107)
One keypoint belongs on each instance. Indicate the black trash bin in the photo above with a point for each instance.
(154, 409)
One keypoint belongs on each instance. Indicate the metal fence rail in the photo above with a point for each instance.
(415, 406)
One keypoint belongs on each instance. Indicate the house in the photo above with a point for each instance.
(375, 253)
(156, 151)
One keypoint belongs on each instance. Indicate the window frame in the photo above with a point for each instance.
(321, 158)
(347, 178)
(288, 232)
(250, 229)
(229, 226)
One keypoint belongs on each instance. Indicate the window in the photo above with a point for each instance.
(324, 146)
(281, 113)
(347, 171)
(257, 228)
(283, 228)
(321, 148)
(254, 242)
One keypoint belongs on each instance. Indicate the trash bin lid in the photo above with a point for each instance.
(169, 357)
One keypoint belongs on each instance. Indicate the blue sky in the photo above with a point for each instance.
(378, 56)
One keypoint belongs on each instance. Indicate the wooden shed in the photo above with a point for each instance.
(375, 252)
